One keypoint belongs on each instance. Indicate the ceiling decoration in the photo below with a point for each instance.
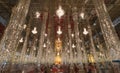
(64, 31)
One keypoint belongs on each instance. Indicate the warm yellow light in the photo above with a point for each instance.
(58, 59)
(91, 58)
(58, 44)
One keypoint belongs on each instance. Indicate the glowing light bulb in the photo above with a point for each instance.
(44, 45)
(73, 46)
(100, 54)
(60, 12)
(59, 39)
(59, 31)
(45, 34)
(24, 26)
(7, 50)
(37, 14)
(82, 15)
(21, 40)
(34, 31)
(68, 51)
(72, 35)
(85, 32)
(94, 24)
(58, 54)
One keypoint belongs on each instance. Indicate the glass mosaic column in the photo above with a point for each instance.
(42, 37)
(77, 37)
(12, 33)
(110, 36)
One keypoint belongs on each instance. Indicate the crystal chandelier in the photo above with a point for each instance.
(59, 32)
(82, 15)
(73, 46)
(85, 32)
(34, 31)
(45, 34)
(24, 26)
(21, 40)
(72, 35)
(60, 12)
(37, 14)
(44, 45)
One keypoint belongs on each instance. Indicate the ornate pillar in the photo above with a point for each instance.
(92, 48)
(70, 44)
(77, 38)
(110, 36)
(42, 37)
(24, 48)
(12, 33)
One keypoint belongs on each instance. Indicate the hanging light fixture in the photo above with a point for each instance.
(82, 15)
(73, 46)
(7, 50)
(59, 40)
(21, 40)
(94, 24)
(58, 54)
(60, 12)
(68, 51)
(34, 31)
(37, 14)
(24, 26)
(72, 35)
(44, 45)
(85, 32)
(59, 32)
(45, 34)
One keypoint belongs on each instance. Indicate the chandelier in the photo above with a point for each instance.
(85, 32)
(34, 31)
(37, 14)
(59, 32)
(60, 12)
(21, 40)
(82, 15)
